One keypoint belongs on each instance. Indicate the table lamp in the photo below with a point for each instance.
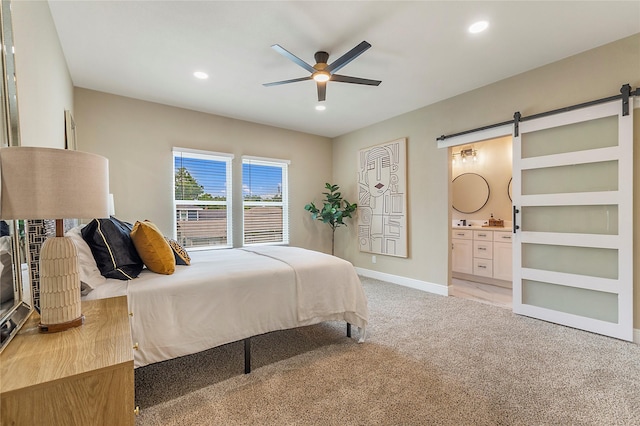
(48, 183)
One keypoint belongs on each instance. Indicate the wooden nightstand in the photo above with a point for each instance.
(81, 376)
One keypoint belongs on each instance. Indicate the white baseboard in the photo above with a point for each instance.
(442, 290)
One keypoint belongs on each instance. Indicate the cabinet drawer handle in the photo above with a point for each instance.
(460, 235)
(135, 346)
(482, 266)
(136, 410)
(482, 235)
(482, 248)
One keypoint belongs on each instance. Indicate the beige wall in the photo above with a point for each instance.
(137, 138)
(45, 89)
(594, 74)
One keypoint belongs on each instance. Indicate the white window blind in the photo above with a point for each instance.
(265, 201)
(202, 198)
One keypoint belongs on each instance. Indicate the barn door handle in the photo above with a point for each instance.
(515, 226)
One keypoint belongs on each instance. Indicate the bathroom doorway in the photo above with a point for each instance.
(480, 214)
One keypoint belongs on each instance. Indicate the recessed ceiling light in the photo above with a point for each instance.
(478, 27)
(320, 107)
(201, 75)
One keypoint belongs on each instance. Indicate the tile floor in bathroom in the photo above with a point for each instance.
(484, 293)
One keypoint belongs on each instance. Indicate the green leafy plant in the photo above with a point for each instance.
(334, 210)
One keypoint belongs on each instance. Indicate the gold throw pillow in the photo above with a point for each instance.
(153, 249)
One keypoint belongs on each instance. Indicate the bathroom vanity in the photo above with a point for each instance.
(482, 254)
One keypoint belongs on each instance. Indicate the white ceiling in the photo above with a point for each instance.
(421, 51)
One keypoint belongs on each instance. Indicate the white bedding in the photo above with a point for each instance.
(229, 295)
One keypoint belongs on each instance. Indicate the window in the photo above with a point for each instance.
(202, 198)
(265, 200)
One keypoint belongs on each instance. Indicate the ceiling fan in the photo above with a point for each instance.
(322, 72)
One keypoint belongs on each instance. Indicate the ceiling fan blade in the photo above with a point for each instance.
(322, 90)
(347, 57)
(355, 80)
(295, 80)
(284, 52)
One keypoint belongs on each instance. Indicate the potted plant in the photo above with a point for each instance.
(334, 210)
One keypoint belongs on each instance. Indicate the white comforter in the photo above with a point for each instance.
(229, 295)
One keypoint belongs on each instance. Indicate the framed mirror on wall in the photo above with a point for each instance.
(470, 192)
(15, 288)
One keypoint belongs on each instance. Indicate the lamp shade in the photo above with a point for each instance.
(49, 183)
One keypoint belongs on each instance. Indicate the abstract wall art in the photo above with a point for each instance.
(382, 199)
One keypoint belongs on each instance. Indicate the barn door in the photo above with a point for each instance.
(572, 196)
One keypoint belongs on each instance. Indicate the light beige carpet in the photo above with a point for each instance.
(428, 360)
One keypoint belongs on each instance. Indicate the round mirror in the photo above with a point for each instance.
(470, 192)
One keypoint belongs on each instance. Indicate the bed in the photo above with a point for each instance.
(233, 294)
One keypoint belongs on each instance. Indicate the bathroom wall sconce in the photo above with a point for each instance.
(464, 154)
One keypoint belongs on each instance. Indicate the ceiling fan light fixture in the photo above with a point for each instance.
(478, 27)
(321, 76)
(322, 72)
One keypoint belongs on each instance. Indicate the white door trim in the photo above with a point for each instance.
(477, 136)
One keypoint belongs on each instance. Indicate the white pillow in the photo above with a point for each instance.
(89, 273)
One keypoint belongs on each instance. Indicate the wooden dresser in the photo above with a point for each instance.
(81, 376)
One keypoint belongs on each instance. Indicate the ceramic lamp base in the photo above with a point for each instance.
(60, 305)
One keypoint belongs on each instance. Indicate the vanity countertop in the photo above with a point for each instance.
(485, 228)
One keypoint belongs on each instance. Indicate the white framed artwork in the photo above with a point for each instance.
(382, 198)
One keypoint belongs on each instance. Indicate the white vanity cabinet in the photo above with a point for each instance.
(482, 254)
(462, 251)
(502, 256)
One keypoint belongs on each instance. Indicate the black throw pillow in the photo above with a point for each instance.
(4, 229)
(112, 248)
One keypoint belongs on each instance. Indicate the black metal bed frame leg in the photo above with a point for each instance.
(247, 350)
(247, 355)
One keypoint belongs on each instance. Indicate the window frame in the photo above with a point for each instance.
(228, 203)
(284, 203)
